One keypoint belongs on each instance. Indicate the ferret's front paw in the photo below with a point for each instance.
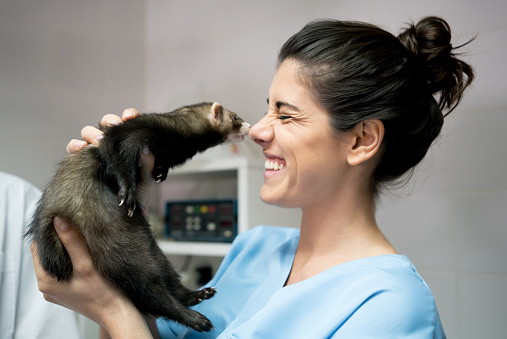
(128, 199)
(160, 173)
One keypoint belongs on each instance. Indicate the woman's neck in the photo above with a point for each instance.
(334, 233)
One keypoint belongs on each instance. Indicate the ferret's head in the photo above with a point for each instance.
(228, 123)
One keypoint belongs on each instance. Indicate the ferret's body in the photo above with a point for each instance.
(95, 189)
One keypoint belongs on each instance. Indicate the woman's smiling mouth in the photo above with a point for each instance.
(274, 164)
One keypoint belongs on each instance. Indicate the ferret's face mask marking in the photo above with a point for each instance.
(226, 120)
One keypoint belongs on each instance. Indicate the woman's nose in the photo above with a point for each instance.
(262, 132)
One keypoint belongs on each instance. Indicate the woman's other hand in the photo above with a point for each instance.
(87, 292)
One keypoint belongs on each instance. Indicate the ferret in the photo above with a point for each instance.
(95, 189)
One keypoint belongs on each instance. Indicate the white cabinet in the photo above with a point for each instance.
(223, 178)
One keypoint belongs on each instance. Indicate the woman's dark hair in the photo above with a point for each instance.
(358, 71)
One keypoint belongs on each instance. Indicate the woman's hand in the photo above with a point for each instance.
(87, 292)
(92, 135)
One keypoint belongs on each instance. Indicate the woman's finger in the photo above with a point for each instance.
(110, 119)
(75, 145)
(130, 113)
(92, 135)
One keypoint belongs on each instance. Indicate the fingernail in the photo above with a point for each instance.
(145, 150)
(99, 137)
(81, 143)
(127, 113)
(61, 224)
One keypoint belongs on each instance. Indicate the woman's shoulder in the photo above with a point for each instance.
(391, 288)
(387, 273)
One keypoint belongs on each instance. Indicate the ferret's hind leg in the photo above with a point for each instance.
(187, 317)
(196, 297)
(173, 282)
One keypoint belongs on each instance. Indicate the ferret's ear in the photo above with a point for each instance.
(216, 113)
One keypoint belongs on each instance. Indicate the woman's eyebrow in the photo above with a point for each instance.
(280, 104)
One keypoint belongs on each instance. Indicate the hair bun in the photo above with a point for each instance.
(430, 42)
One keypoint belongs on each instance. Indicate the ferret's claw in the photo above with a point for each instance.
(131, 211)
(158, 178)
(159, 172)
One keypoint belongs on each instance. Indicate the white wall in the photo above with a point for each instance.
(64, 63)
(453, 224)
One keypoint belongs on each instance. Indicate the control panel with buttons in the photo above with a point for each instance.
(211, 220)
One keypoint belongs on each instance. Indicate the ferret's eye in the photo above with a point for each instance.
(234, 118)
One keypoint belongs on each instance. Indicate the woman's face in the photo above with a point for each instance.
(305, 161)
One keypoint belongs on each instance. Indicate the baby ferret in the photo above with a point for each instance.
(95, 189)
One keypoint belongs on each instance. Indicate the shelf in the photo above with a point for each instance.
(194, 248)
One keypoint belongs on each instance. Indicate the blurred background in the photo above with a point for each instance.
(66, 63)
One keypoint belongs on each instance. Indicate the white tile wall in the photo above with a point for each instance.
(482, 306)
(64, 64)
(481, 233)
(420, 227)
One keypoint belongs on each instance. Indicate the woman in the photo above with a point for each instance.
(351, 109)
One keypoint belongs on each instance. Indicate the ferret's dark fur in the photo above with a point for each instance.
(95, 189)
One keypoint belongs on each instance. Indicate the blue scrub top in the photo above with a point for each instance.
(375, 297)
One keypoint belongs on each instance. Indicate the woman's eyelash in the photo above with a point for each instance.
(280, 117)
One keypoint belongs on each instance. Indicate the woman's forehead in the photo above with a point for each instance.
(287, 86)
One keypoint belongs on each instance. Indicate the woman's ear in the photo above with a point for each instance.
(367, 139)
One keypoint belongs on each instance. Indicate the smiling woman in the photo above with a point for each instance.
(350, 109)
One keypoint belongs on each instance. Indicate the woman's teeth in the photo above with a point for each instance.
(274, 164)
